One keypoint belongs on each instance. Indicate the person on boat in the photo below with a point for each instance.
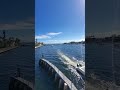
(79, 65)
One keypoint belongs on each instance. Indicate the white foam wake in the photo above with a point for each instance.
(72, 65)
(72, 61)
(66, 59)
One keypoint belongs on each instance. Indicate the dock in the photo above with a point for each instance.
(63, 82)
(18, 83)
(29, 84)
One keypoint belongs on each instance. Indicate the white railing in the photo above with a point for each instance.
(25, 82)
(66, 80)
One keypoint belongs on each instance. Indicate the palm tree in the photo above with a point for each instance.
(17, 41)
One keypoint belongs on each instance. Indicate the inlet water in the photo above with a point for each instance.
(51, 53)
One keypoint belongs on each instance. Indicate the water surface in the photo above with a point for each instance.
(51, 53)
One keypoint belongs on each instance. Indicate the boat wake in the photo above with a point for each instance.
(71, 61)
(65, 59)
(72, 65)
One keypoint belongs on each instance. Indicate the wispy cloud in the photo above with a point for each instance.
(48, 35)
(18, 25)
(54, 33)
(42, 37)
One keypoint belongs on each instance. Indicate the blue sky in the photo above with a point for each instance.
(102, 17)
(17, 18)
(58, 21)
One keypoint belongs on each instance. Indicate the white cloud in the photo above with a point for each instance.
(42, 37)
(48, 35)
(53, 33)
(18, 25)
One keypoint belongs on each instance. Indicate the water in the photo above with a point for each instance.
(51, 53)
(102, 60)
(22, 57)
(99, 60)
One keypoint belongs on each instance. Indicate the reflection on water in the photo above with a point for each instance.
(102, 66)
(9, 61)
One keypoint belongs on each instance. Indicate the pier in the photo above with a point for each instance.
(63, 82)
(18, 83)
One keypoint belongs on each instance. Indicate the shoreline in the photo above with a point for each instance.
(38, 46)
(2, 50)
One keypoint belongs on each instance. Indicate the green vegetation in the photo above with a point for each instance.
(10, 42)
(38, 44)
